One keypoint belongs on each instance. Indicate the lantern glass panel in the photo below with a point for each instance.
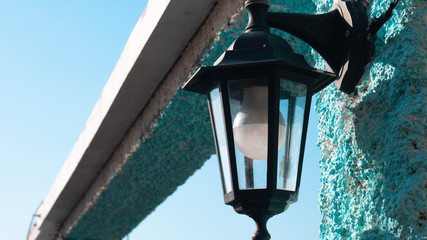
(221, 137)
(249, 112)
(292, 104)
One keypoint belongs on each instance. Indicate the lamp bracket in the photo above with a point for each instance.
(343, 37)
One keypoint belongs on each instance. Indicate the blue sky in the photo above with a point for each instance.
(55, 58)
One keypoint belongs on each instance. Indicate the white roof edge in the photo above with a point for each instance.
(128, 57)
(138, 42)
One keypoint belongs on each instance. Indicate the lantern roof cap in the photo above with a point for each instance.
(257, 46)
(258, 49)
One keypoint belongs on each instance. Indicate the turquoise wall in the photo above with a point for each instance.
(175, 148)
(374, 163)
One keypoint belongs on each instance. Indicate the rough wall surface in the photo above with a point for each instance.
(374, 144)
(142, 181)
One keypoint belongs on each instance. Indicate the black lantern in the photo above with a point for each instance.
(259, 94)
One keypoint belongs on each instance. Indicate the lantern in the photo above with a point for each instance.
(259, 93)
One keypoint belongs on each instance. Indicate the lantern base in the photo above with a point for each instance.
(261, 232)
(262, 209)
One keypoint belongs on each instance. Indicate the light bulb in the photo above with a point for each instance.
(250, 127)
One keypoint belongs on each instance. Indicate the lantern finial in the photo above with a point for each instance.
(257, 10)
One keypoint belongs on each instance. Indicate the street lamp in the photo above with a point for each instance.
(259, 94)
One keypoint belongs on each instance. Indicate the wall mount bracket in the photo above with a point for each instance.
(343, 37)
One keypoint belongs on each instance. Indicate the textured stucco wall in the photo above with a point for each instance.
(374, 163)
(142, 181)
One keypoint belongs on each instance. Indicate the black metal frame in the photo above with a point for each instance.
(260, 204)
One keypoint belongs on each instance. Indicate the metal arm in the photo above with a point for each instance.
(327, 33)
(343, 37)
(339, 36)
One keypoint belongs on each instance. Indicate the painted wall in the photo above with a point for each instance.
(374, 163)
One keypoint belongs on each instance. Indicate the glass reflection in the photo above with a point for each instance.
(221, 137)
(292, 105)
